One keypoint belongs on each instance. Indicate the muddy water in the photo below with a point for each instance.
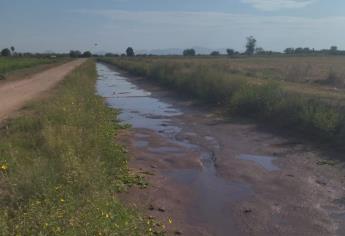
(264, 161)
(139, 108)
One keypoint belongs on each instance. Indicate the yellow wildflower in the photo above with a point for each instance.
(62, 200)
(170, 221)
(4, 167)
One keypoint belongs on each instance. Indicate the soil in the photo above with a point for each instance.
(15, 94)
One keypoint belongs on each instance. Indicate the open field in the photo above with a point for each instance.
(60, 168)
(10, 64)
(302, 69)
(263, 88)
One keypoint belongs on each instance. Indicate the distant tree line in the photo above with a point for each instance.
(7, 52)
(250, 50)
(76, 54)
(333, 50)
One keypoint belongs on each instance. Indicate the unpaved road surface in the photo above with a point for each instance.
(215, 177)
(13, 95)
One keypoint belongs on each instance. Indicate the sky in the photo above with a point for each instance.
(63, 25)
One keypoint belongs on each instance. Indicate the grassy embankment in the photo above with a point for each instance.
(60, 168)
(9, 64)
(257, 88)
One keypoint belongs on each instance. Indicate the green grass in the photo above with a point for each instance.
(9, 64)
(61, 169)
(305, 109)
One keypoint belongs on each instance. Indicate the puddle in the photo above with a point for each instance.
(162, 150)
(137, 106)
(141, 143)
(214, 198)
(340, 219)
(139, 135)
(264, 161)
(214, 195)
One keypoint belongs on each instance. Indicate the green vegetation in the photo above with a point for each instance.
(5, 52)
(9, 64)
(251, 45)
(189, 52)
(130, 52)
(249, 87)
(60, 168)
(78, 54)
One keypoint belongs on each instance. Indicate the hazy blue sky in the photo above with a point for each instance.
(61, 25)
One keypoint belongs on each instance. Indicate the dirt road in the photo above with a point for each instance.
(214, 177)
(13, 95)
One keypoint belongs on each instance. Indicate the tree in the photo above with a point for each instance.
(299, 50)
(250, 46)
(289, 51)
(5, 52)
(189, 52)
(87, 54)
(306, 50)
(230, 52)
(333, 50)
(74, 54)
(215, 53)
(259, 51)
(130, 52)
(13, 49)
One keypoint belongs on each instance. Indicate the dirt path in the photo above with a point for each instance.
(214, 177)
(13, 95)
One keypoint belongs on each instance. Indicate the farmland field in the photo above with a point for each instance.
(166, 118)
(9, 64)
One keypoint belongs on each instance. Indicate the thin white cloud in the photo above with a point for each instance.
(272, 5)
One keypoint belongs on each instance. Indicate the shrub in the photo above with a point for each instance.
(6, 52)
(189, 52)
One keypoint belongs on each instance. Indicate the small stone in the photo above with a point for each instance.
(178, 232)
(151, 207)
(248, 211)
(321, 182)
(161, 209)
